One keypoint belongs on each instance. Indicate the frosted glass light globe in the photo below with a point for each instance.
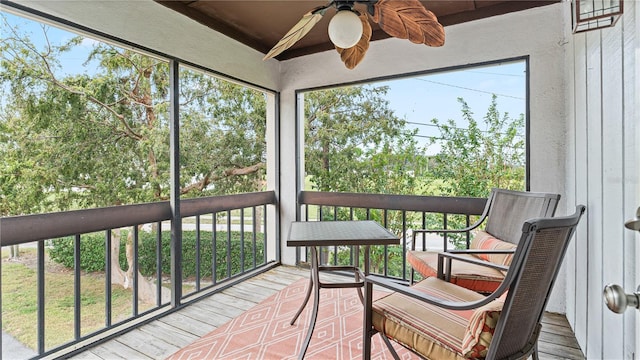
(345, 29)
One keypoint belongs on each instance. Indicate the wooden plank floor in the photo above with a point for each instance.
(163, 337)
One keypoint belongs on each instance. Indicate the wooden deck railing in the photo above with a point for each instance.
(245, 215)
(398, 213)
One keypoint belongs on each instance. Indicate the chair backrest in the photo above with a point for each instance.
(532, 275)
(509, 209)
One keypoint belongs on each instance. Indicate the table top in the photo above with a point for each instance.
(328, 233)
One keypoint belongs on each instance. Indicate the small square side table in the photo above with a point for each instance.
(314, 234)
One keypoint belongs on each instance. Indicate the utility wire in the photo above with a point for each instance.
(470, 89)
(493, 73)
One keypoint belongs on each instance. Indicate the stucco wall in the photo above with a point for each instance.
(536, 33)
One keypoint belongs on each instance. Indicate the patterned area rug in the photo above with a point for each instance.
(264, 332)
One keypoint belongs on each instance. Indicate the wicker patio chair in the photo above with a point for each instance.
(440, 320)
(482, 265)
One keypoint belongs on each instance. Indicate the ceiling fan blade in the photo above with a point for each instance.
(354, 55)
(408, 19)
(298, 31)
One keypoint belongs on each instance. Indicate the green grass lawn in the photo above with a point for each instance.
(19, 301)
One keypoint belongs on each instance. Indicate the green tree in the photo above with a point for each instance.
(106, 135)
(355, 143)
(473, 160)
(88, 140)
(482, 156)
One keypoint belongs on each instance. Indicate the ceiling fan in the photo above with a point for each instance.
(350, 31)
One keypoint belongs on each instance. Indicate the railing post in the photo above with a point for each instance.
(77, 289)
(174, 149)
(134, 280)
(107, 279)
(159, 264)
(41, 299)
(198, 253)
(214, 248)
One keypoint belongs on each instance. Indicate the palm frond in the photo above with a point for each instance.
(408, 19)
(298, 31)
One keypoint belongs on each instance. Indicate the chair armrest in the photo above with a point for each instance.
(410, 291)
(481, 251)
(414, 232)
(445, 231)
(456, 256)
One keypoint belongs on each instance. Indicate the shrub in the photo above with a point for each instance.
(92, 253)
(148, 248)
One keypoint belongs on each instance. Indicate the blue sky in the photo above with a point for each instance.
(73, 60)
(420, 99)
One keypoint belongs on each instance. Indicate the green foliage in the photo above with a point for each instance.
(92, 253)
(377, 254)
(482, 156)
(354, 143)
(476, 159)
(355, 146)
(223, 137)
(20, 303)
(148, 258)
(101, 137)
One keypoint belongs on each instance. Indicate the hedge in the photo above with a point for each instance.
(92, 252)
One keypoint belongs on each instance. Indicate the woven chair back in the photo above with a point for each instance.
(540, 258)
(510, 209)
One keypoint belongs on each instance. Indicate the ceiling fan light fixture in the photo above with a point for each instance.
(345, 29)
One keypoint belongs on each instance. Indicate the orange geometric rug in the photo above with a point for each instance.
(264, 332)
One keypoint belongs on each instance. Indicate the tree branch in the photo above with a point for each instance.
(209, 178)
(52, 78)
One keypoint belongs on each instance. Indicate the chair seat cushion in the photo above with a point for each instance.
(431, 331)
(481, 328)
(471, 276)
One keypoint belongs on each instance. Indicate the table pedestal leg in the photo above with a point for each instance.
(316, 300)
(306, 300)
(356, 265)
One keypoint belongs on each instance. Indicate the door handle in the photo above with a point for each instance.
(618, 301)
(614, 296)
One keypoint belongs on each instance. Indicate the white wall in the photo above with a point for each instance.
(537, 33)
(603, 166)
